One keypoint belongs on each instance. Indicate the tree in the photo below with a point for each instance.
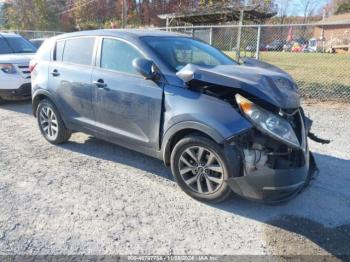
(45, 15)
(337, 6)
(282, 10)
(308, 8)
(2, 14)
(20, 14)
(145, 12)
(343, 8)
(90, 14)
(32, 14)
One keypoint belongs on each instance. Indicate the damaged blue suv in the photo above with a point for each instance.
(221, 126)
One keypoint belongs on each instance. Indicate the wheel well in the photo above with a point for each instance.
(37, 100)
(177, 137)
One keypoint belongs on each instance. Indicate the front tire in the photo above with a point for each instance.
(50, 123)
(201, 169)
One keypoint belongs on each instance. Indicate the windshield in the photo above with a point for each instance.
(177, 52)
(15, 44)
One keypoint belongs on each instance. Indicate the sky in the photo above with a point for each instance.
(294, 6)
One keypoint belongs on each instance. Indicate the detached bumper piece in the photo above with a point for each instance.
(274, 185)
(24, 91)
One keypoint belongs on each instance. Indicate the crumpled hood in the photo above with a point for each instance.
(261, 80)
(16, 58)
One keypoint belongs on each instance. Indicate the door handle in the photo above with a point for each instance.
(55, 73)
(100, 84)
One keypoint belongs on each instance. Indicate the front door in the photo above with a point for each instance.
(127, 107)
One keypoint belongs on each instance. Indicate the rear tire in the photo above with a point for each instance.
(51, 124)
(201, 169)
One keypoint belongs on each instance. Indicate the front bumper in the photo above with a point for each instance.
(274, 185)
(24, 91)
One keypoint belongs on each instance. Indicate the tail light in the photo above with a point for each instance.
(32, 65)
(8, 68)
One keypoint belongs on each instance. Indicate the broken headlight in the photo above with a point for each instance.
(267, 122)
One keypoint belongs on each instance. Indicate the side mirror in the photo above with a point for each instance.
(144, 67)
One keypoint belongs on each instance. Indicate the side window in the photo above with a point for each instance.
(118, 55)
(79, 51)
(59, 50)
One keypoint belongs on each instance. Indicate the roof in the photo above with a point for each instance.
(336, 19)
(134, 33)
(222, 13)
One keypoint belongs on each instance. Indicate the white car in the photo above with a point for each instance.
(15, 54)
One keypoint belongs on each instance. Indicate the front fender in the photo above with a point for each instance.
(190, 110)
(196, 126)
(187, 125)
(181, 105)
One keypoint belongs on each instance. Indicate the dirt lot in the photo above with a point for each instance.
(90, 197)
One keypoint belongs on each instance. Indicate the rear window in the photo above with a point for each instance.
(77, 51)
(4, 47)
(15, 44)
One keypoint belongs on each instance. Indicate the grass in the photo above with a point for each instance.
(323, 76)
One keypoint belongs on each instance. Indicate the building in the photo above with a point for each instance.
(334, 31)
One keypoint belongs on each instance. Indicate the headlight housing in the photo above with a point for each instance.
(267, 122)
(8, 69)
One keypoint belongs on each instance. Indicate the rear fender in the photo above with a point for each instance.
(38, 95)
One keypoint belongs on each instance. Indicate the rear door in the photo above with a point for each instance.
(127, 107)
(70, 79)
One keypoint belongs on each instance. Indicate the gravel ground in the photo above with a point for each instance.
(91, 197)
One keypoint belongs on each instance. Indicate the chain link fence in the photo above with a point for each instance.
(316, 55)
